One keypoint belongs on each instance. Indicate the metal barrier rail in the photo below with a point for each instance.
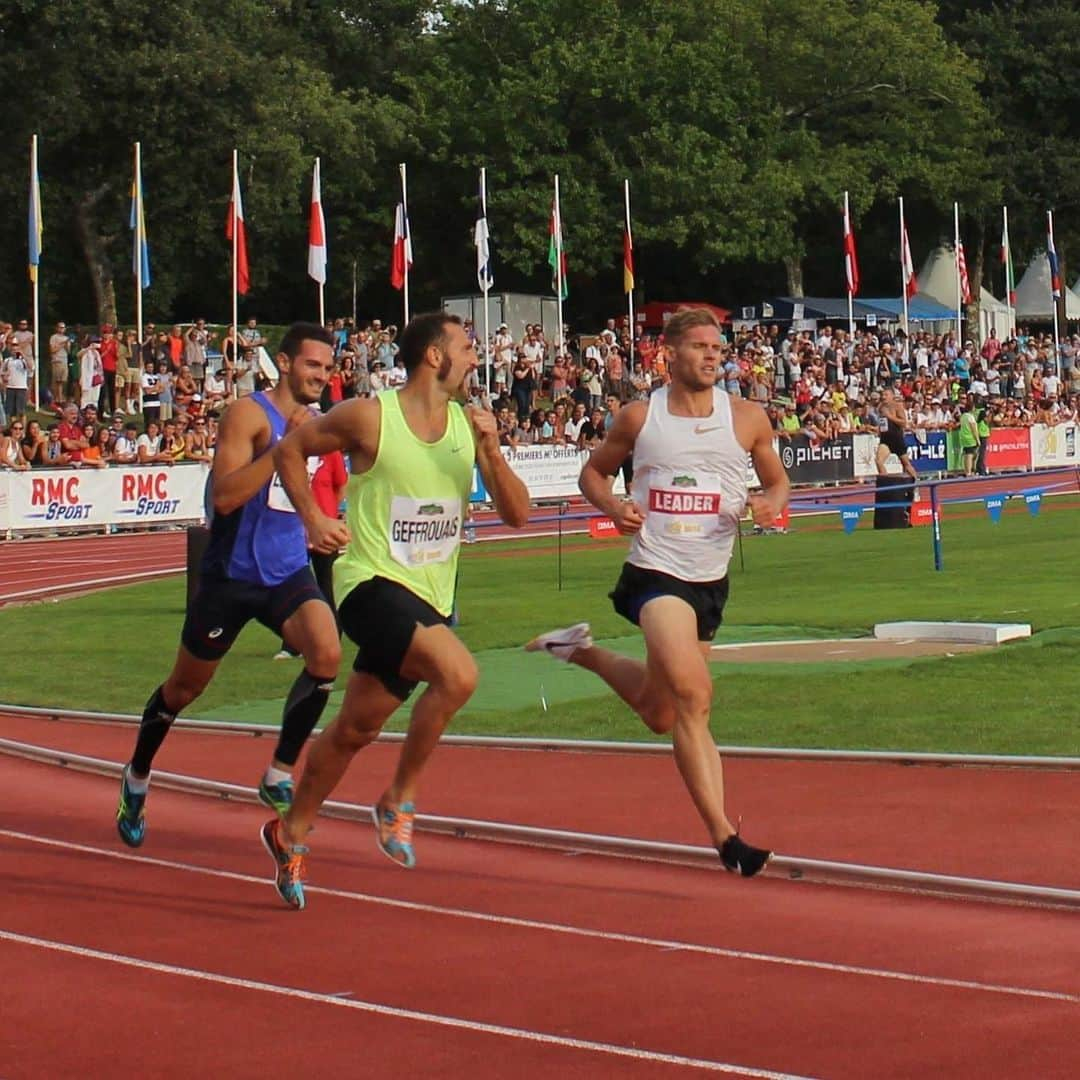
(792, 867)
(532, 743)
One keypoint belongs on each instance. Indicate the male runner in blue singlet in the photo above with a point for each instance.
(255, 567)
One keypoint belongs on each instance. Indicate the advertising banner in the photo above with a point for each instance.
(922, 513)
(817, 462)
(602, 528)
(1054, 446)
(1009, 448)
(551, 472)
(928, 451)
(58, 499)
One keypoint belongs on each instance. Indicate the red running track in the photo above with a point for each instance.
(43, 569)
(1003, 824)
(540, 961)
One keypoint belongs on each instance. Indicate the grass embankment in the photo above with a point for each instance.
(107, 650)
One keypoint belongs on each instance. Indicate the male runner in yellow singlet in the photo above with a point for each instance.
(690, 443)
(412, 452)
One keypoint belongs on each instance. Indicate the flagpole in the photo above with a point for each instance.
(850, 294)
(1007, 256)
(322, 285)
(235, 237)
(630, 292)
(558, 262)
(35, 192)
(408, 239)
(354, 293)
(1054, 299)
(139, 238)
(959, 286)
(487, 289)
(903, 278)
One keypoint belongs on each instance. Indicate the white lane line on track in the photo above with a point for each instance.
(91, 583)
(476, 1026)
(661, 944)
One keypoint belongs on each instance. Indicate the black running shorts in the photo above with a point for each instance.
(380, 617)
(223, 607)
(894, 440)
(637, 586)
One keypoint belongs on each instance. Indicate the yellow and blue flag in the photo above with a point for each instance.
(35, 214)
(140, 254)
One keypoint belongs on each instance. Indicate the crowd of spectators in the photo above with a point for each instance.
(121, 397)
(825, 383)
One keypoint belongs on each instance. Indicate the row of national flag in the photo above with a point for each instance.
(908, 276)
(402, 254)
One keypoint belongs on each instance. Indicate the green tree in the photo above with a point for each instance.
(190, 80)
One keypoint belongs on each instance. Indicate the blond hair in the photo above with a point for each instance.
(684, 321)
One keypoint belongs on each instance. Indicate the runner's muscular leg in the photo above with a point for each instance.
(312, 631)
(189, 677)
(366, 708)
(680, 675)
(437, 657)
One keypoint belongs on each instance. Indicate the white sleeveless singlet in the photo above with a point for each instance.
(690, 477)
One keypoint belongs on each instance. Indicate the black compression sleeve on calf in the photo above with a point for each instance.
(303, 707)
(157, 718)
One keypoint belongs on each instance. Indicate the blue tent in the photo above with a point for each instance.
(818, 308)
(920, 309)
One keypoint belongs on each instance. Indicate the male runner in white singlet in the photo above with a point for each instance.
(690, 443)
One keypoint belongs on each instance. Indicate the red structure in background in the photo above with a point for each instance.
(656, 313)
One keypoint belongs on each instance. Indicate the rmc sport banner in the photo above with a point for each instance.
(56, 499)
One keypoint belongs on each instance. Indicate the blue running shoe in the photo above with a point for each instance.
(130, 814)
(277, 797)
(393, 832)
(289, 861)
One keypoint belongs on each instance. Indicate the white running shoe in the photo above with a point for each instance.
(562, 644)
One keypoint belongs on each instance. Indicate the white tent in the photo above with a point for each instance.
(937, 278)
(1033, 300)
(993, 315)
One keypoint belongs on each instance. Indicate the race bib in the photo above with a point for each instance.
(277, 499)
(687, 505)
(424, 532)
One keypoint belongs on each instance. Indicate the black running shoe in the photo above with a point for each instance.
(740, 857)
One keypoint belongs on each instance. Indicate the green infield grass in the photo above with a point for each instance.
(107, 650)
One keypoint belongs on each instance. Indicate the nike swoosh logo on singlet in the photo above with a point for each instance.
(700, 430)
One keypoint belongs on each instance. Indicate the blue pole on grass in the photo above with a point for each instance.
(935, 514)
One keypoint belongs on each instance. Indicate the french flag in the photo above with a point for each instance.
(1051, 255)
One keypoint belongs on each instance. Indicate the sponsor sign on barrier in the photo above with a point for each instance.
(927, 450)
(1009, 448)
(602, 528)
(922, 513)
(551, 472)
(814, 462)
(1054, 446)
(56, 499)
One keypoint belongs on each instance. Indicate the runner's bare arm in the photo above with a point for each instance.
(769, 504)
(352, 427)
(237, 474)
(598, 473)
(508, 491)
